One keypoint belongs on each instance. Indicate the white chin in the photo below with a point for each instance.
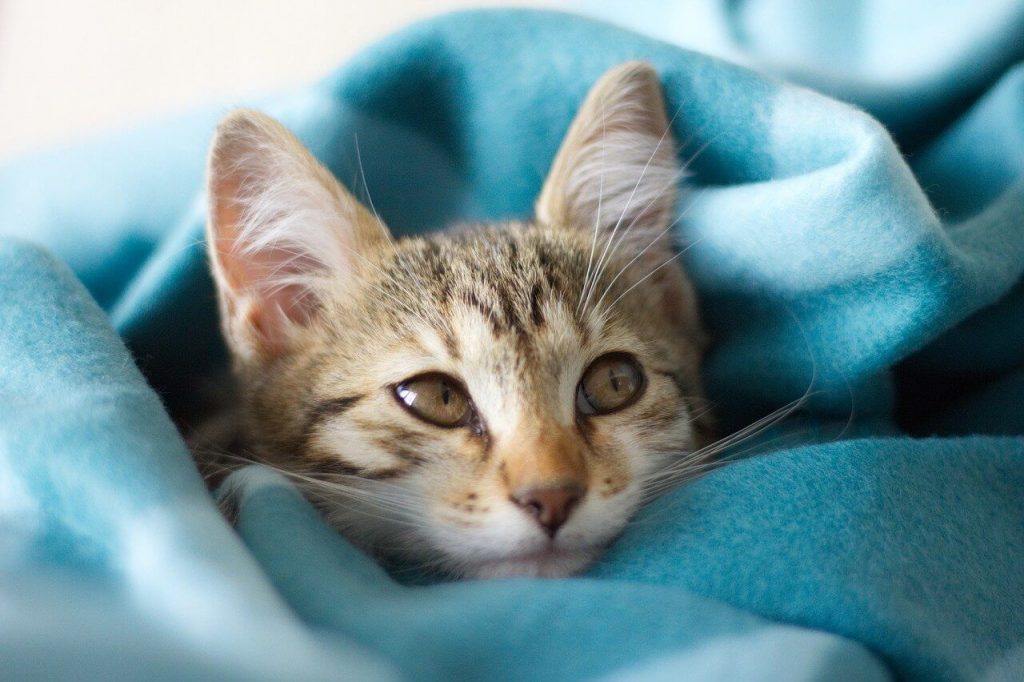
(548, 565)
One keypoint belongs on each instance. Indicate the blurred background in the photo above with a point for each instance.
(69, 69)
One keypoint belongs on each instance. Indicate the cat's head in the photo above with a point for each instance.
(486, 401)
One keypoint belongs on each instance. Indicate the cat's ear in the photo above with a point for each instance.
(617, 170)
(281, 230)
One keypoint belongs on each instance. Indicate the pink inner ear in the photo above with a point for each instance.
(273, 313)
(262, 277)
(280, 224)
(268, 277)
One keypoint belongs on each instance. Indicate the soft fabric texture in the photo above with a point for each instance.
(883, 290)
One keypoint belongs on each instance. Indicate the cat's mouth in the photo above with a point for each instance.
(550, 562)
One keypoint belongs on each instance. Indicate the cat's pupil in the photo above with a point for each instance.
(613, 378)
(445, 394)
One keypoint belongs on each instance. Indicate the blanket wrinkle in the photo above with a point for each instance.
(857, 242)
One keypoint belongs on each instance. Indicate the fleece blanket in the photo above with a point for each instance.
(860, 249)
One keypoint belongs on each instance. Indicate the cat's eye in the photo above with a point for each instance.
(611, 383)
(435, 398)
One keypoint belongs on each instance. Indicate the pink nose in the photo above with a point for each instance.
(551, 507)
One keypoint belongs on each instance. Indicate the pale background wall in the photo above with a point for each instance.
(69, 69)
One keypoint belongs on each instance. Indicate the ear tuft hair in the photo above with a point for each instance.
(280, 228)
(616, 171)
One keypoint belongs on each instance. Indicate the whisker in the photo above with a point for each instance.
(387, 235)
(675, 222)
(700, 460)
(651, 274)
(366, 187)
(639, 255)
(331, 487)
(600, 199)
(670, 479)
(629, 201)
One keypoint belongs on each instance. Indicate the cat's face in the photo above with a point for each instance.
(488, 401)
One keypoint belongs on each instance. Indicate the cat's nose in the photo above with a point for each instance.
(550, 506)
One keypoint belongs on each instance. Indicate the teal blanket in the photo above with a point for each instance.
(867, 258)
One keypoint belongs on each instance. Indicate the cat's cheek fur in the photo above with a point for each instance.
(361, 452)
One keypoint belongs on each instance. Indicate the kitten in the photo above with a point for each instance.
(490, 401)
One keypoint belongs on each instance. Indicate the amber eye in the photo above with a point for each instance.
(612, 382)
(435, 398)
